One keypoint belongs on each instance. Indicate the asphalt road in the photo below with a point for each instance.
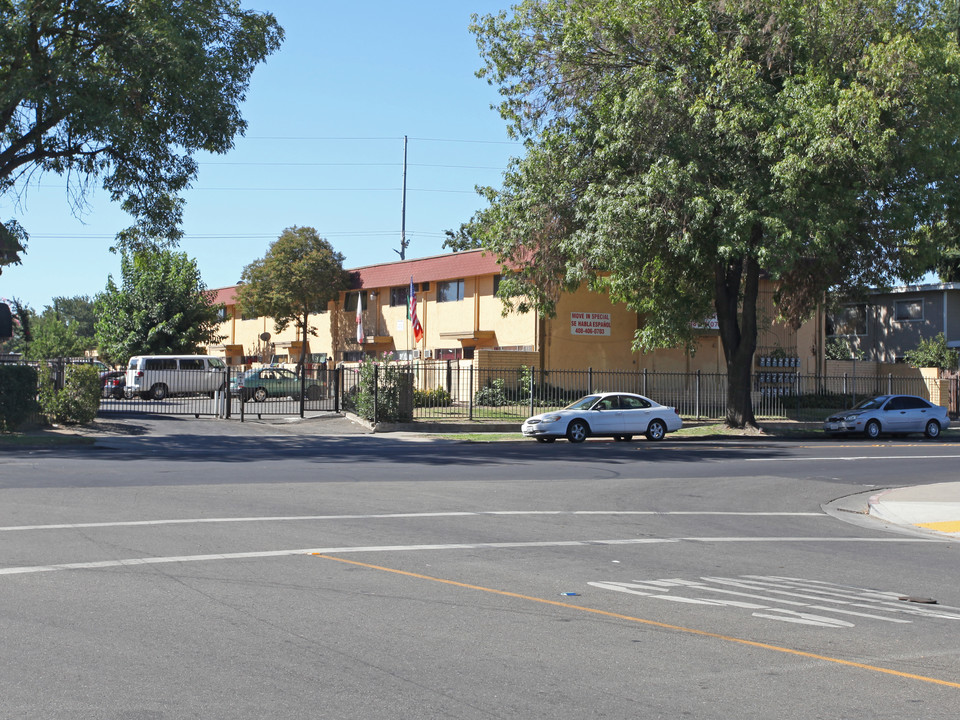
(208, 570)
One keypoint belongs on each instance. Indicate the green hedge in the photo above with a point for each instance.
(77, 403)
(18, 396)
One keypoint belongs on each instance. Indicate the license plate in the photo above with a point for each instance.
(833, 426)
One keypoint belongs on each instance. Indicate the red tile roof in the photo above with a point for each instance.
(430, 269)
(227, 295)
(439, 267)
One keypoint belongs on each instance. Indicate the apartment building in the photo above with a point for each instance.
(460, 313)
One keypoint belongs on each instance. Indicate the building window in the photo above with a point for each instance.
(848, 320)
(450, 291)
(448, 354)
(350, 301)
(496, 285)
(909, 310)
(399, 296)
(223, 314)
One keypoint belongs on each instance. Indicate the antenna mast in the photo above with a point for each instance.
(403, 207)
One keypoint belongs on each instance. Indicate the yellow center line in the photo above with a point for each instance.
(642, 621)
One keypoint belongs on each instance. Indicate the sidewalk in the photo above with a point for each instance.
(928, 507)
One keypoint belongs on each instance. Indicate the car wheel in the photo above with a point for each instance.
(656, 430)
(577, 431)
(159, 391)
(872, 429)
(932, 430)
(260, 394)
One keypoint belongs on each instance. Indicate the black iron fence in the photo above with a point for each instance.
(219, 394)
(450, 392)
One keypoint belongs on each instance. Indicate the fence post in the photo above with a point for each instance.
(470, 391)
(228, 399)
(337, 377)
(797, 376)
(376, 394)
(696, 399)
(889, 383)
(590, 381)
(303, 387)
(532, 371)
(644, 382)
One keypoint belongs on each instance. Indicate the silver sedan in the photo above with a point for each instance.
(892, 414)
(616, 415)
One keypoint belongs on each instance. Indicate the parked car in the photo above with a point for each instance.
(616, 415)
(157, 376)
(113, 383)
(260, 383)
(894, 414)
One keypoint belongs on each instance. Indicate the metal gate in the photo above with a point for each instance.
(313, 394)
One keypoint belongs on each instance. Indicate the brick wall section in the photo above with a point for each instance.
(505, 359)
(936, 390)
(505, 364)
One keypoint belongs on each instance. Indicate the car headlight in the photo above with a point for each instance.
(851, 418)
(550, 418)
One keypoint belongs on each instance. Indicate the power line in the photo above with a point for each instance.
(324, 138)
(352, 164)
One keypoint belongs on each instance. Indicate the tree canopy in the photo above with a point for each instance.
(64, 329)
(299, 275)
(122, 92)
(677, 150)
(161, 307)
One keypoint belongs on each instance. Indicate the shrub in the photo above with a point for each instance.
(18, 395)
(77, 403)
(438, 397)
(933, 353)
(384, 392)
(493, 395)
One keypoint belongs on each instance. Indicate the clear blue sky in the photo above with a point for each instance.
(324, 148)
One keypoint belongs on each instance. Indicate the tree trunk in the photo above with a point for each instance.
(737, 319)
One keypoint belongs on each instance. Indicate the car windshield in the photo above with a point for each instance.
(871, 403)
(583, 403)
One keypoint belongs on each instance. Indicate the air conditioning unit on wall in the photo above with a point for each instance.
(414, 354)
(427, 354)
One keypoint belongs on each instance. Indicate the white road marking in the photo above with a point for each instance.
(392, 516)
(99, 564)
(877, 601)
(858, 458)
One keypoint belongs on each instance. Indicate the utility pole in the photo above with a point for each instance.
(403, 207)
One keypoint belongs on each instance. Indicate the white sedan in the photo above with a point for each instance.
(616, 415)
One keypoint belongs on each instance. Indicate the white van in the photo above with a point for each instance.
(157, 376)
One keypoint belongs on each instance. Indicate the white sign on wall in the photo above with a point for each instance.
(586, 323)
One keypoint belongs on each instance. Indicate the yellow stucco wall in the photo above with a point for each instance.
(477, 321)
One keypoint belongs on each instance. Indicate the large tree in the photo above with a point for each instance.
(299, 275)
(59, 331)
(122, 92)
(676, 150)
(161, 307)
